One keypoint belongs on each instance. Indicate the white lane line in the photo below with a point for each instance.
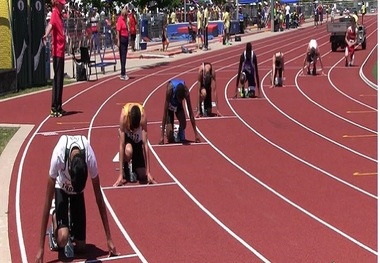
(282, 196)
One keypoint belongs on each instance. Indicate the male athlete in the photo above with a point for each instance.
(247, 72)
(71, 161)
(312, 56)
(278, 69)
(351, 41)
(133, 146)
(206, 86)
(176, 92)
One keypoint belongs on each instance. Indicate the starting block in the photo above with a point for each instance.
(52, 242)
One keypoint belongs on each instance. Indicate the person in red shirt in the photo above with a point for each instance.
(351, 41)
(58, 41)
(132, 28)
(122, 41)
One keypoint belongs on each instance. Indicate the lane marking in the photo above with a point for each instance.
(72, 122)
(360, 136)
(246, 99)
(21, 165)
(134, 186)
(48, 133)
(108, 258)
(179, 144)
(283, 197)
(364, 174)
(361, 111)
(368, 95)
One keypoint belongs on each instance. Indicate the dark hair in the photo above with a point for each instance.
(78, 172)
(135, 115)
(208, 79)
(181, 91)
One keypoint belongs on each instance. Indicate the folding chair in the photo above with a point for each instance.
(86, 60)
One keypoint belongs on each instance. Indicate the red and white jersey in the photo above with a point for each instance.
(59, 169)
(351, 34)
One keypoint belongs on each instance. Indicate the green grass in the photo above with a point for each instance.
(6, 133)
(34, 89)
(374, 71)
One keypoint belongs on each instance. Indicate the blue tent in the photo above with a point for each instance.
(247, 2)
(289, 1)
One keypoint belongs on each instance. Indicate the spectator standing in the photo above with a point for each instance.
(165, 39)
(199, 29)
(58, 41)
(132, 29)
(315, 15)
(205, 27)
(363, 10)
(122, 41)
(287, 16)
(332, 15)
(320, 13)
(226, 23)
(259, 17)
(173, 17)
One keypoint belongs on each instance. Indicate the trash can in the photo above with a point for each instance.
(21, 43)
(37, 45)
(137, 41)
(144, 28)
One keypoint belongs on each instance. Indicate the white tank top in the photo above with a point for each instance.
(313, 44)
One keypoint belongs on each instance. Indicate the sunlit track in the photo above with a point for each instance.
(299, 123)
(289, 153)
(151, 148)
(228, 55)
(282, 197)
(184, 189)
(311, 130)
(20, 168)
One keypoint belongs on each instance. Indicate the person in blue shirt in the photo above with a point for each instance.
(176, 92)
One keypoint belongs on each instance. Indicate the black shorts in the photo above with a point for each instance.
(250, 79)
(309, 58)
(207, 102)
(77, 213)
(170, 115)
(138, 160)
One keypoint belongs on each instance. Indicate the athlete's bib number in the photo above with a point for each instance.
(172, 108)
(135, 137)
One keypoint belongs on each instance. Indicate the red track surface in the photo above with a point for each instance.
(277, 179)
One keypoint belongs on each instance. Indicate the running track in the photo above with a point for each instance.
(288, 177)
